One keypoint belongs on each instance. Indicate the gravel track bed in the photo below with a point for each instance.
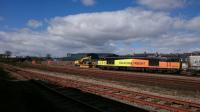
(182, 95)
(164, 75)
(21, 95)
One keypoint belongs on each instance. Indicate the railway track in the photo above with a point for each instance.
(158, 103)
(88, 101)
(87, 107)
(168, 82)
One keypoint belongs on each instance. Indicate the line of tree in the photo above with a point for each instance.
(6, 54)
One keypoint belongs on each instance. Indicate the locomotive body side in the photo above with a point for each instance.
(147, 64)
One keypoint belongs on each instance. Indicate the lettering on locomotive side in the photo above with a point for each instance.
(125, 62)
(139, 63)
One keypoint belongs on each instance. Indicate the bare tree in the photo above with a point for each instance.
(48, 56)
(8, 53)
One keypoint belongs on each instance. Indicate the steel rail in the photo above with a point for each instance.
(131, 96)
(64, 96)
(191, 83)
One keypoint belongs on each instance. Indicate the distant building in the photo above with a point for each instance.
(2, 56)
(196, 52)
(81, 55)
(69, 54)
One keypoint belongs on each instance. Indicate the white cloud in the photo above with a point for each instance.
(27, 42)
(162, 4)
(194, 23)
(191, 24)
(34, 23)
(177, 40)
(115, 31)
(117, 25)
(128, 26)
(88, 2)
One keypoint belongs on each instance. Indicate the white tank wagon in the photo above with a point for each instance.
(194, 64)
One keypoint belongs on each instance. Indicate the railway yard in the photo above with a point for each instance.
(32, 95)
(100, 56)
(64, 88)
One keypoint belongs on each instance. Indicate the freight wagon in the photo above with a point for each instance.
(193, 64)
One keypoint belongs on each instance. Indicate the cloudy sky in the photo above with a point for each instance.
(58, 27)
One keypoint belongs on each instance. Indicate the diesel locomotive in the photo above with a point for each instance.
(191, 64)
(152, 64)
(160, 64)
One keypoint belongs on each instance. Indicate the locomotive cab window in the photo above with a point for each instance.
(153, 62)
(173, 60)
(110, 61)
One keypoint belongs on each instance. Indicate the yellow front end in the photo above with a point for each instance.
(102, 62)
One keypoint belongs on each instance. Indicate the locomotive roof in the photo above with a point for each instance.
(132, 57)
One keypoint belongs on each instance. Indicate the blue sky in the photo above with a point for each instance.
(38, 27)
(18, 12)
